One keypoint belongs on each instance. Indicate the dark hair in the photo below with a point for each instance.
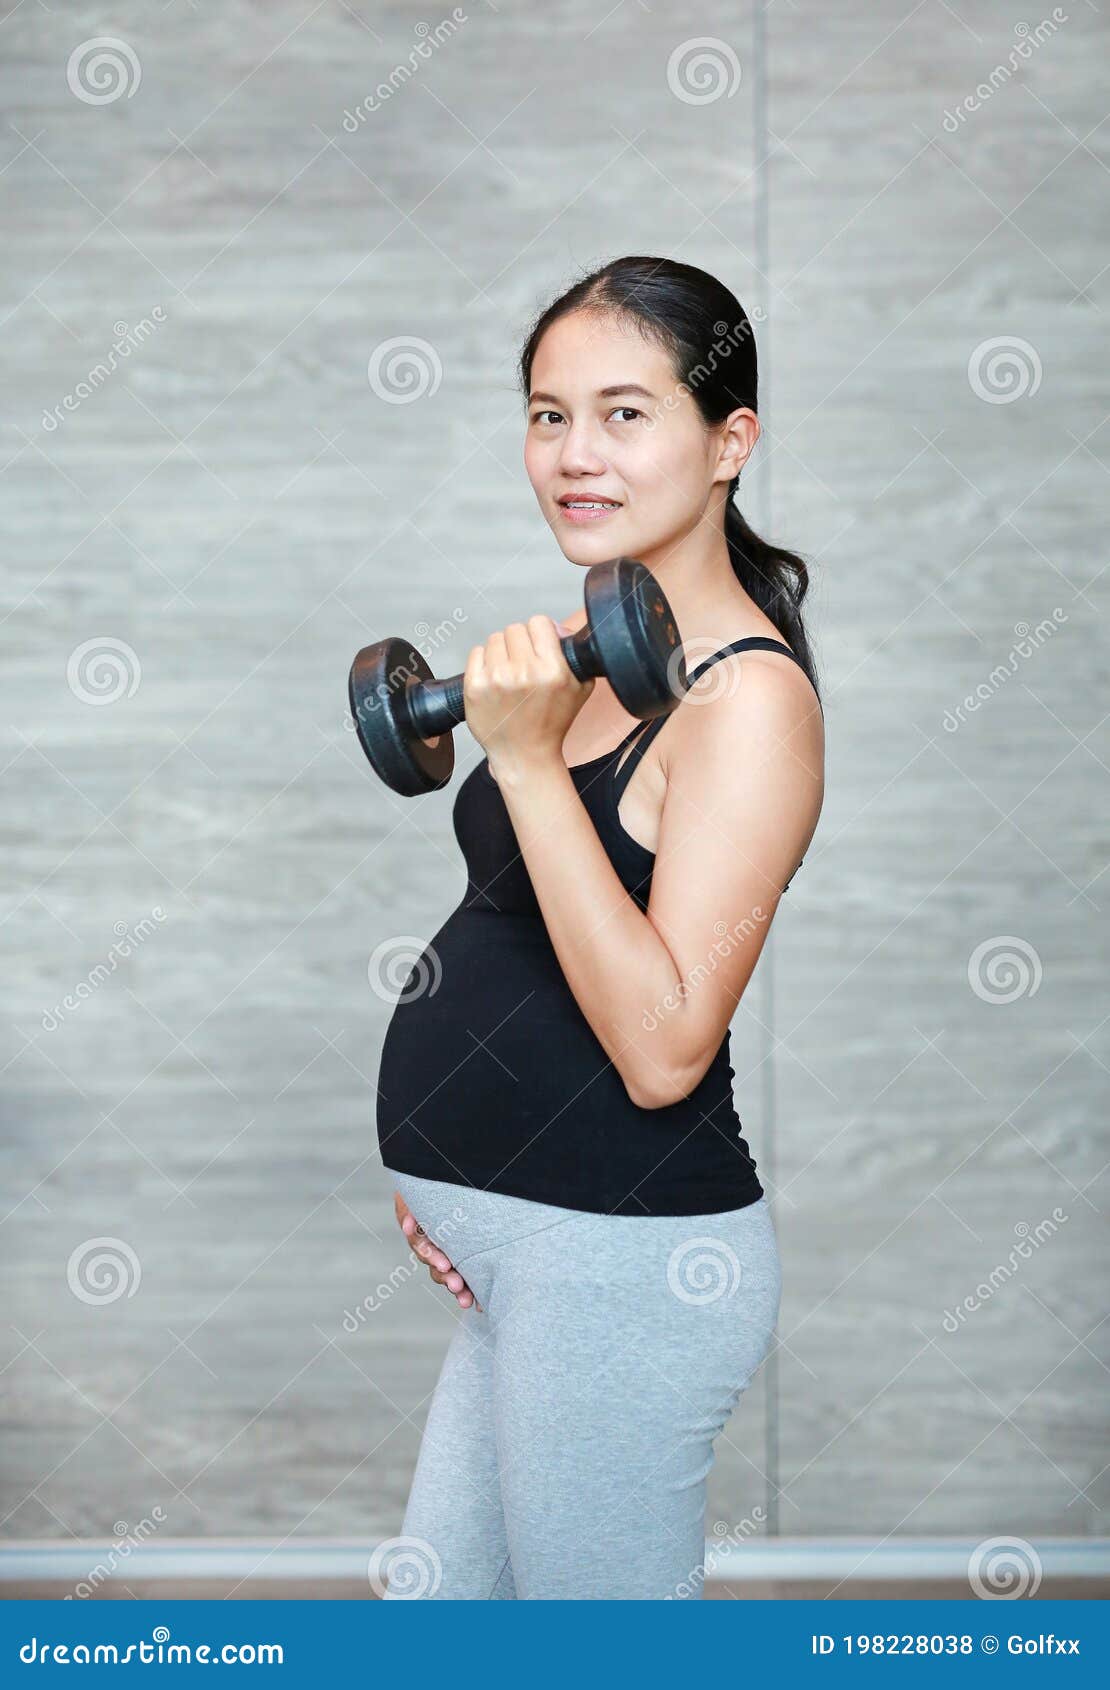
(707, 334)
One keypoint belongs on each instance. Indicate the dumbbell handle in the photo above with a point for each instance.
(435, 707)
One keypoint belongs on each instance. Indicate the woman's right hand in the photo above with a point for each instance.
(439, 1263)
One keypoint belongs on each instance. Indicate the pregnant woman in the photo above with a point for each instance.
(555, 1097)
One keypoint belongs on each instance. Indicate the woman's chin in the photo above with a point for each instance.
(587, 549)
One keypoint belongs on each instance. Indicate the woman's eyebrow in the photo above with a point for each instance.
(602, 393)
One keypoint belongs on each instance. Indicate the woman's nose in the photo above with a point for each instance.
(580, 455)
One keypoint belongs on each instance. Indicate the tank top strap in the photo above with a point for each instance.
(647, 732)
(754, 642)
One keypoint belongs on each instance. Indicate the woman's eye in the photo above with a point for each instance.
(625, 412)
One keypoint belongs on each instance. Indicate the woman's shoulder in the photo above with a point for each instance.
(733, 655)
(752, 695)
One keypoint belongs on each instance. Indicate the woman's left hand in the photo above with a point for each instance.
(439, 1263)
(521, 694)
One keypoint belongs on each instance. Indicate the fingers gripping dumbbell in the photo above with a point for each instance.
(405, 717)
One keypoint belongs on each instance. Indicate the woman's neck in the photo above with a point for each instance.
(700, 585)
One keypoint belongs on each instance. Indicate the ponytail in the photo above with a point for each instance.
(776, 579)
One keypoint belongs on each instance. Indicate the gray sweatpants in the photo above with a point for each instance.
(569, 1437)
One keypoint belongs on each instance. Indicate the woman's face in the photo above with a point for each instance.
(608, 422)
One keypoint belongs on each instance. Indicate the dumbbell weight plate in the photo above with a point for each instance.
(384, 671)
(633, 624)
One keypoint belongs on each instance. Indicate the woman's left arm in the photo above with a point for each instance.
(744, 791)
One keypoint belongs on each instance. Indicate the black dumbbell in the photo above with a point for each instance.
(404, 716)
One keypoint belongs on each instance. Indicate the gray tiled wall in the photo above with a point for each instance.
(238, 511)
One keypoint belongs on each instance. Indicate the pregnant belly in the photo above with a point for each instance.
(490, 1034)
(491, 1075)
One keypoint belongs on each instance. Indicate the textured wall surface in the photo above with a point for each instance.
(202, 528)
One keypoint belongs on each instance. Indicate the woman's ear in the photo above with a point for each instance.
(739, 433)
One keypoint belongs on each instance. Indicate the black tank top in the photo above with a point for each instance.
(491, 1076)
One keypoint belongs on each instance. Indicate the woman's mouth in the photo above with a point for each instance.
(587, 510)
